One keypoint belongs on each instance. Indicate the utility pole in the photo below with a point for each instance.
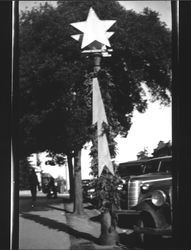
(96, 41)
(97, 62)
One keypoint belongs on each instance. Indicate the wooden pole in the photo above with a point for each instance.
(108, 234)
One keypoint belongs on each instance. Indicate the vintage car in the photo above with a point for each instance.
(125, 170)
(149, 199)
(59, 183)
(89, 192)
(130, 168)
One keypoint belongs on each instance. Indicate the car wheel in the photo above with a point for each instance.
(146, 240)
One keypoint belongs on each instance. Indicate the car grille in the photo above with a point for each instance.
(133, 193)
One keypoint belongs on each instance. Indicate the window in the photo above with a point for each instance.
(166, 166)
(151, 167)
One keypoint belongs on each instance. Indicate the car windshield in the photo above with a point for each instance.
(166, 166)
(151, 167)
(158, 165)
(130, 170)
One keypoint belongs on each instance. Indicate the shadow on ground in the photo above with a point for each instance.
(128, 240)
(132, 242)
(83, 246)
(96, 218)
(90, 207)
(89, 246)
(59, 226)
(60, 209)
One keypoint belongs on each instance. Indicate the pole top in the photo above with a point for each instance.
(95, 37)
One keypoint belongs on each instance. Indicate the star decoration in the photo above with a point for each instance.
(93, 29)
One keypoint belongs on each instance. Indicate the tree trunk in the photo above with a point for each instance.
(71, 176)
(108, 236)
(78, 199)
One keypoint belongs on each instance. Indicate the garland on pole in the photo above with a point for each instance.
(95, 37)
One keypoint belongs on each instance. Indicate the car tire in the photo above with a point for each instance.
(146, 240)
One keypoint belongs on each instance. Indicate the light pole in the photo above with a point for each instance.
(95, 40)
(97, 62)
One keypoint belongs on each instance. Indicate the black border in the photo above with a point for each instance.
(15, 136)
(181, 128)
(5, 123)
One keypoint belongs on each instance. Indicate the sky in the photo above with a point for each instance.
(150, 127)
(147, 130)
(163, 7)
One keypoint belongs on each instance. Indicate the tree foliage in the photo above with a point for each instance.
(143, 154)
(55, 78)
(162, 149)
(24, 174)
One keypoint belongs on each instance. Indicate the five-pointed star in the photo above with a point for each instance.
(94, 29)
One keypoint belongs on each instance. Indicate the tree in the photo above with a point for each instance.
(143, 154)
(162, 149)
(55, 79)
(23, 174)
(52, 70)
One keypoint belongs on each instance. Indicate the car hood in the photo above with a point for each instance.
(151, 176)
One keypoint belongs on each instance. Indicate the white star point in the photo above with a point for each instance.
(94, 29)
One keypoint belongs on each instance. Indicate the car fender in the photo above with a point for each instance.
(157, 214)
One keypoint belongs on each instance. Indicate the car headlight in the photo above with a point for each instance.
(91, 190)
(145, 187)
(123, 181)
(158, 198)
(120, 187)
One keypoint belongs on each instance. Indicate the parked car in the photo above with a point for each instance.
(89, 192)
(149, 198)
(130, 168)
(45, 181)
(125, 170)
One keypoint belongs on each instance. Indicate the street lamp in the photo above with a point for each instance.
(94, 41)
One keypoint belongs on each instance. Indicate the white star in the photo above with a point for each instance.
(94, 29)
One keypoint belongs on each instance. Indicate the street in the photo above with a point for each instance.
(52, 225)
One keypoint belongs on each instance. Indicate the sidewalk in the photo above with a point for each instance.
(52, 225)
(27, 194)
